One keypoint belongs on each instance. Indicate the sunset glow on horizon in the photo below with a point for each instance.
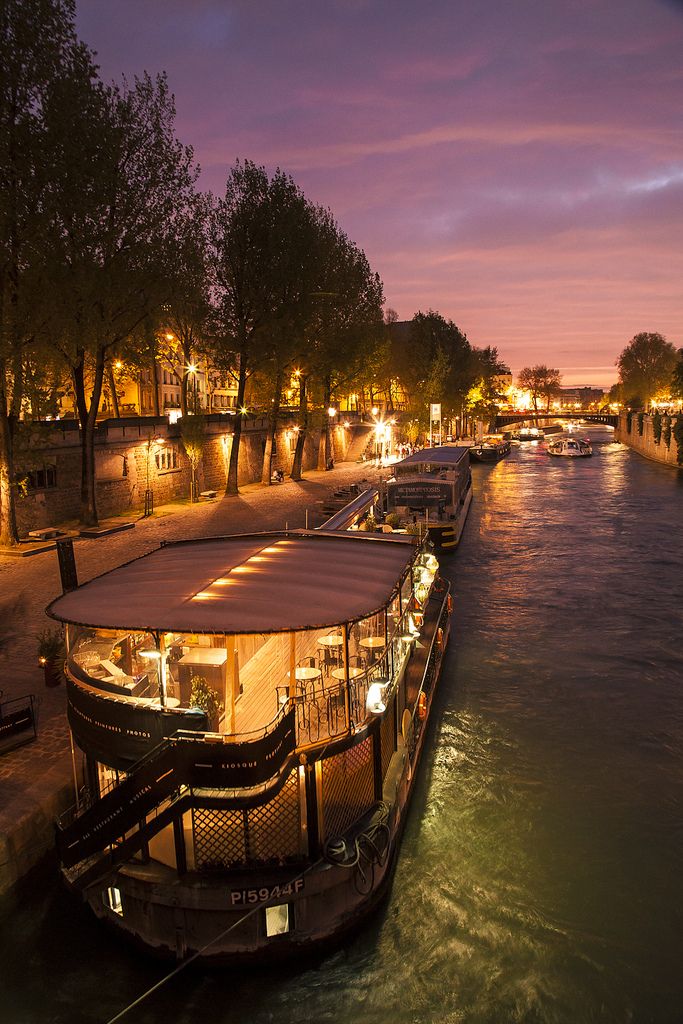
(518, 167)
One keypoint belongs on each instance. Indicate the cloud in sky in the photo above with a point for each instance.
(517, 166)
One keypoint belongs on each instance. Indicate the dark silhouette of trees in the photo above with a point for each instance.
(541, 382)
(260, 235)
(646, 367)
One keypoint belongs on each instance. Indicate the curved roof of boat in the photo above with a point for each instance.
(444, 455)
(257, 583)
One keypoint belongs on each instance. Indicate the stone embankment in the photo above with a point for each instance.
(645, 443)
(36, 781)
(135, 455)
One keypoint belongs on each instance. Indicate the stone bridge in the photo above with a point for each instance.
(504, 419)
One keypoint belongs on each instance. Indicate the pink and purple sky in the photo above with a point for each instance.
(515, 164)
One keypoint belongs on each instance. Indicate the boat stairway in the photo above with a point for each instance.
(181, 772)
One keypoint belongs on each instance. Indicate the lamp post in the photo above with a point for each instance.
(149, 493)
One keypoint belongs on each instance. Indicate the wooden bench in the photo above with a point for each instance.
(208, 495)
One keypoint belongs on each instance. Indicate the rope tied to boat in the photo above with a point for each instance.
(363, 851)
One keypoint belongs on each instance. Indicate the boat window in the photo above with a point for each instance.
(111, 898)
(277, 919)
(126, 664)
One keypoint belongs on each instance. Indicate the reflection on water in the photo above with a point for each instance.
(541, 874)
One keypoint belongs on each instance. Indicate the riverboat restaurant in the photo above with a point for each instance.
(267, 644)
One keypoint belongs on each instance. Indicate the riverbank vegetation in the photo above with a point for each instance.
(114, 266)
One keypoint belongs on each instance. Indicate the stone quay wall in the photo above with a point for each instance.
(132, 454)
(645, 443)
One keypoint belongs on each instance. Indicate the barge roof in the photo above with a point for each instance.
(258, 583)
(443, 456)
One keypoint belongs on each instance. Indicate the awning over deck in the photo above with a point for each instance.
(443, 457)
(259, 583)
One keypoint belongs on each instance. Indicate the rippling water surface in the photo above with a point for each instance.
(541, 873)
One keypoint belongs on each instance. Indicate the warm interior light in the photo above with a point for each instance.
(149, 654)
(331, 411)
(169, 336)
(374, 410)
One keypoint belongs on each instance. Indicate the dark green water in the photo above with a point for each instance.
(541, 874)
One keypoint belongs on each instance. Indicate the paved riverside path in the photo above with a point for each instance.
(36, 780)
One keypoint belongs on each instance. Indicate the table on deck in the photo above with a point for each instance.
(306, 674)
(340, 673)
(373, 642)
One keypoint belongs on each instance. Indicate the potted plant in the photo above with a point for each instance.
(205, 698)
(51, 655)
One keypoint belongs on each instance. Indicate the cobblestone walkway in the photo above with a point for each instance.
(37, 578)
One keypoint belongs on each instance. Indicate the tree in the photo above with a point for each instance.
(541, 382)
(193, 436)
(184, 320)
(433, 361)
(646, 366)
(677, 377)
(38, 46)
(484, 396)
(257, 285)
(112, 214)
(346, 329)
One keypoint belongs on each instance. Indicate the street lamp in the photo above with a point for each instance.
(149, 493)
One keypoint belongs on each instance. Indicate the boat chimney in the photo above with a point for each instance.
(67, 564)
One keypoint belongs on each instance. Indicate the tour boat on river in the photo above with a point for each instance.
(570, 447)
(529, 434)
(432, 488)
(248, 713)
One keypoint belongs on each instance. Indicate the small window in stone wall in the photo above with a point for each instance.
(166, 459)
(39, 479)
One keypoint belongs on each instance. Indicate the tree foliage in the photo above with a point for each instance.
(542, 382)
(38, 50)
(646, 367)
(261, 237)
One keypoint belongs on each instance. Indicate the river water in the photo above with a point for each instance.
(541, 875)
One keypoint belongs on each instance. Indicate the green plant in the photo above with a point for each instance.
(641, 420)
(629, 420)
(678, 434)
(666, 433)
(413, 529)
(51, 646)
(657, 427)
(393, 520)
(205, 697)
(370, 523)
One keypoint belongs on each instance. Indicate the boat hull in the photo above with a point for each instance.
(221, 916)
(446, 536)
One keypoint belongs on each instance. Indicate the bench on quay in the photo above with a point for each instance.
(47, 533)
(17, 722)
(208, 495)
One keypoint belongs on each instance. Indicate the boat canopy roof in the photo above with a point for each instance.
(444, 457)
(258, 583)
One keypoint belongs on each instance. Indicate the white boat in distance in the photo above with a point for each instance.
(570, 447)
